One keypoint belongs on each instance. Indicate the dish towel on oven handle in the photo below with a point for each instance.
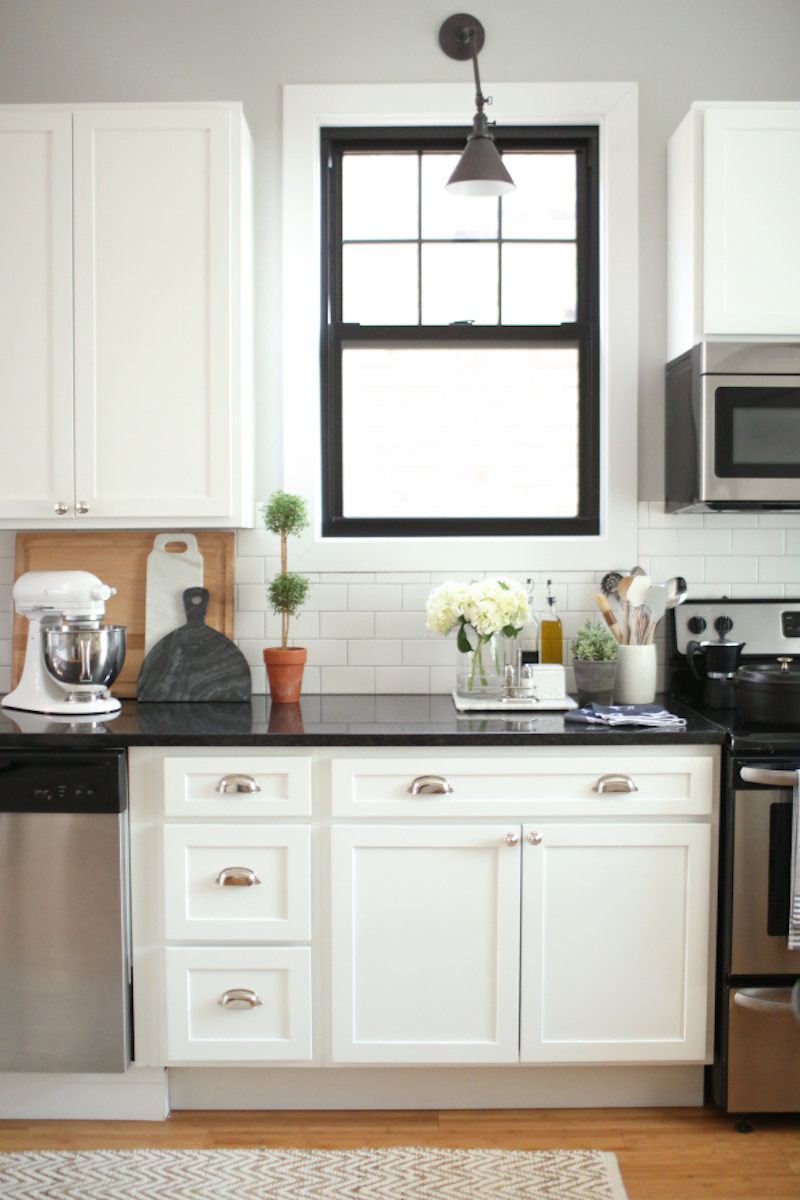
(794, 904)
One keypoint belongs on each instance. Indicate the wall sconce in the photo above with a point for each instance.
(480, 170)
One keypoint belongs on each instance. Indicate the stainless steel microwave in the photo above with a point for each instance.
(733, 428)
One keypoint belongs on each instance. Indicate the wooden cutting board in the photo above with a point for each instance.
(119, 558)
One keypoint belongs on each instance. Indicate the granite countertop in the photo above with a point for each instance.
(339, 721)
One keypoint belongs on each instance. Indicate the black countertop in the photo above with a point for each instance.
(339, 721)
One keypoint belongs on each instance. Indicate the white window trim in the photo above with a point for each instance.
(611, 106)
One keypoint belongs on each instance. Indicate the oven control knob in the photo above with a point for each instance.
(723, 625)
(696, 624)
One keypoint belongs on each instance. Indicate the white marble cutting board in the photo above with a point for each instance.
(168, 576)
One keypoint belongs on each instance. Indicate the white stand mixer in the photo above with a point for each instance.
(71, 659)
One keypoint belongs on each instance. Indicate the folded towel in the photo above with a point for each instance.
(794, 903)
(626, 714)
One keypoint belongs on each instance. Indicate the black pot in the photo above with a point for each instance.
(769, 695)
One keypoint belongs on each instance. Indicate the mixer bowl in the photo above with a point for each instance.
(84, 660)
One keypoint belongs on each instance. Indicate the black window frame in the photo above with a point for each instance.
(584, 333)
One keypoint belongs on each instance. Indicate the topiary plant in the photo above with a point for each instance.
(286, 515)
(594, 643)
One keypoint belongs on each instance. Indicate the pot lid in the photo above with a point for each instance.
(785, 673)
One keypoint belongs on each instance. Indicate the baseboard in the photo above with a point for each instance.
(139, 1095)
(425, 1088)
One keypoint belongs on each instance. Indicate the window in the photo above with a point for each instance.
(460, 338)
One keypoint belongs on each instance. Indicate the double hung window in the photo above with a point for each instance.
(460, 344)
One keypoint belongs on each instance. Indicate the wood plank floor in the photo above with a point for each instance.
(664, 1154)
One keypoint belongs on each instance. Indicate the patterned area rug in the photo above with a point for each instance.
(395, 1174)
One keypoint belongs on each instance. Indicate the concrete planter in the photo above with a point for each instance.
(594, 680)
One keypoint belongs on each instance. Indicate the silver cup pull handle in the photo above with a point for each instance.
(237, 877)
(615, 783)
(239, 998)
(430, 784)
(750, 998)
(238, 783)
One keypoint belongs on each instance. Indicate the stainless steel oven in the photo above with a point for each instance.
(758, 1061)
(733, 427)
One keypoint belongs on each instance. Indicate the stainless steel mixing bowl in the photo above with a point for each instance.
(84, 660)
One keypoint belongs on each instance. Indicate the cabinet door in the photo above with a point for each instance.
(614, 943)
(751, 226)
(36, 463)
(153, 368)
(425, 944)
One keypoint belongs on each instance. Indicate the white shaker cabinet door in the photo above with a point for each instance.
(36, 460)
(425, 944)
(153, 370)
(751, 226)
(614, 942)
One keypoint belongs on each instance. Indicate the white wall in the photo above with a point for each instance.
(678, 51)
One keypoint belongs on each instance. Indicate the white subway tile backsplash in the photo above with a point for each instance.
(302, 627)
(658, 541)
(327, 597)
(415, 595)
(709, 591)
(376, 652)
(704, 541)
(760, 541)
(253, 543)
(401, 624)
(442, 680)
(348, 680)
(402, 577)
(248, 570)
(325, 652)
(311, 681)
(349, 577)
(792, 542)
(692, 568)
(402, 679)
(731, 570)
(248, 625)
(757, 591)
(658, 519)
(430, 653)
(347, 625)
(251, 598)
(730, 520)
(785, 569)
(374, 596)
(779, 520)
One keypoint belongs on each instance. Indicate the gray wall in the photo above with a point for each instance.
(677, 51)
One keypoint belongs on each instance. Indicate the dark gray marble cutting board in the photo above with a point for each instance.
(194, 662)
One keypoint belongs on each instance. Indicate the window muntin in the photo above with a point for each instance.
(460, 271)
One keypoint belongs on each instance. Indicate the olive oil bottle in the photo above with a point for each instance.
(551, 633)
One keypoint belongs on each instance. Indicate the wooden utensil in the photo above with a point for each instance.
(624, 584)
(194, 662)
(611, 620)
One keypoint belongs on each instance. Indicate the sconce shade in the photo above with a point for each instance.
(480, 170)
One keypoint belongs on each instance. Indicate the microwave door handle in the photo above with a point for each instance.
(763, 775)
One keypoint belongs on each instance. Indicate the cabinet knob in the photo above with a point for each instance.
(61, 508)
(615, 783)
(237, 783)
(534, 838)
(239, 998)
(82, 507)
(511, 839)
(237, 877)
(436, 784)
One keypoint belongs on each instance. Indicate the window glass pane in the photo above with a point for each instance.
(539, 283)
(543, 206)
(459, 283)
(379, 284)
(379, 196)
(448, 216)
(479, 432)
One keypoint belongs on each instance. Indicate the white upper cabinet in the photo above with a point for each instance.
(733, 265)
(132, 344)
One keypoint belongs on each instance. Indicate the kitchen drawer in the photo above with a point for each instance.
(276, 981)
(535, 786)
(273, 787)
(270, 904)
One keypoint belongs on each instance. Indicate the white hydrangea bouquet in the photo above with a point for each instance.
(484, 609)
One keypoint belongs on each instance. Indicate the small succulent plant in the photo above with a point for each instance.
(594, 643)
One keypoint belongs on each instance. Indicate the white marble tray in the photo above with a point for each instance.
(507, 704)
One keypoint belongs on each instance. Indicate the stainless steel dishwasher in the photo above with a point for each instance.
(65, 974)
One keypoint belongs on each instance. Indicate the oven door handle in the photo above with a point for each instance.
(770, 778)
(755, 999)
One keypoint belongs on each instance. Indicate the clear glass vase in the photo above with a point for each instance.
(479, 672)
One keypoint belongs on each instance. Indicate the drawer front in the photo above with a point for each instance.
(237, 786)
(569, 786)
(275, 981)
(237, 883)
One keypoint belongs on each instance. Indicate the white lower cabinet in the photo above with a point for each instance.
(614, 942)
(425, 944)
(238, 1004)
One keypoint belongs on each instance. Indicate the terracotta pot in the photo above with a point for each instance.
(285, 673)
(286, 718)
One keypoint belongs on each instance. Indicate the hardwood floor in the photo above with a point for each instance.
(664, 1154)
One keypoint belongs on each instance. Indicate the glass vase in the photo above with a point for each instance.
(479, 671)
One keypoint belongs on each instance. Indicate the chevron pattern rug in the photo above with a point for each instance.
(394, 1174)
